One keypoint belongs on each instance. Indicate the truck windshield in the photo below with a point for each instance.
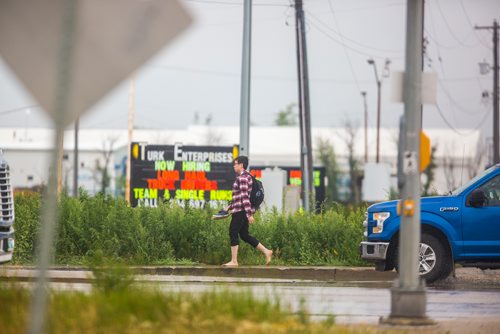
(459, 190)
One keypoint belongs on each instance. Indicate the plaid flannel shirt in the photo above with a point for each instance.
(242, 187)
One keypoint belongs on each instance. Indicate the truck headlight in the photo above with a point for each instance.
(380, 218)
(365, 224)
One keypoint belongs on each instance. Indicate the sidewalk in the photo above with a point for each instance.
(79, 274)
(74, 274)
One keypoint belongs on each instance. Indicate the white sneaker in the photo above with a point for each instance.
(221, 215)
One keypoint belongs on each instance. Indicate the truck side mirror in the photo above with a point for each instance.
(477, 198)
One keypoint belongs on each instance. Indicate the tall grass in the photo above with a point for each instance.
(148, 310)
(102, 226)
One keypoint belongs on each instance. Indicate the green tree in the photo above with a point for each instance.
(287, 117)
(212, 137)
(326, 155)
(101, 171)
(354, 168)
(104, 176)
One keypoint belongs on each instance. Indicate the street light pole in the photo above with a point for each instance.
(366, 125)
(245, 80)
(379, 89)
(75, 157)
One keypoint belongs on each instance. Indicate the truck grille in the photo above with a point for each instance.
(6, 195)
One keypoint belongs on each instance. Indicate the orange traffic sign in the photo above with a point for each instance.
(425, 151)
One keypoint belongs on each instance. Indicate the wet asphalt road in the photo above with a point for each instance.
(360, 303)
(349, 302)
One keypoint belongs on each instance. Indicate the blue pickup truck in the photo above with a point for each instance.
(463, 227)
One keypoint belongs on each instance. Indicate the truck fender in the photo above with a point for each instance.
(429, 222)
(449, 231)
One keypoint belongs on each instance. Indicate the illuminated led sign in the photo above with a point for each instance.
(294, 177)
(195, 175)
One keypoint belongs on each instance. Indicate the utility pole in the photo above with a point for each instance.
(496, 131)
(131, 110)
(60, 159)
(366, 126)
(75, 156)
(245, 80)
(408, 295)
(304, 108)
(379, 89)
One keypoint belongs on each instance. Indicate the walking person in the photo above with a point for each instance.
(242, 213)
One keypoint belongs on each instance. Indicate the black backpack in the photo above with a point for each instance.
(257, 194)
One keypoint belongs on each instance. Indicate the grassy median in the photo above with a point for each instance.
(135, 310)
(96, 226)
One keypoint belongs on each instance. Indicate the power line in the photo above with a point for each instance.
(443, 86)
(197, 70)
(455, 103)
(232, 3)
(438, 43)
(350, 39)
(472, 25)
(343, 43)
(463, 134)
(457, 79)
(3, 112)
(450, 29)
(434, 35)
(480, 84)
(357, 9)
(261, 77)
(443, 82)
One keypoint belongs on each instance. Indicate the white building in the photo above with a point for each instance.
(458, 157)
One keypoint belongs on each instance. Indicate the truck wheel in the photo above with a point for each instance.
(434, 260)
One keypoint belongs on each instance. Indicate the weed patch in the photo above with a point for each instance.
(103, 226)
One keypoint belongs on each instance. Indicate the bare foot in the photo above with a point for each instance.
(230, 264)
(269, 257)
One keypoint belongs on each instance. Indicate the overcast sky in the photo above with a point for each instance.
(199, 73)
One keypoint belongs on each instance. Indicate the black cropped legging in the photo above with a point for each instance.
(239, 225)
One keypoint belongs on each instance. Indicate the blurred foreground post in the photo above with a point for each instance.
(408, 295)
(49, 214)
(69, 54)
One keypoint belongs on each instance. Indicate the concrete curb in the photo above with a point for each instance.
(324, 274)
(321, 274)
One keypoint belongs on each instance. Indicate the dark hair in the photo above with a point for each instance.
(242, 160)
